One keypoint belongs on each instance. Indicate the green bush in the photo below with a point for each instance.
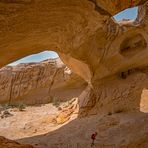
(21, 107)
(7, 106)
(56, 102)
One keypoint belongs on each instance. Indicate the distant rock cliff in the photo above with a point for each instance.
(33, 83)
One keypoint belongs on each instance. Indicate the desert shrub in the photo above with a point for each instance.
(7, 106)
(56, 102)
(21, 106)
(50, 99)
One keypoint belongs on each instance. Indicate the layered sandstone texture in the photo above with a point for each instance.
(35, 83)
(111, 57)
(82, 32)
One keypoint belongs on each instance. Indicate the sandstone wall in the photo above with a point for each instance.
(82, 32)
(31, 83)
(116, 94)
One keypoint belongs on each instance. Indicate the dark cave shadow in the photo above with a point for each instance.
(77, 133)
(58, 138)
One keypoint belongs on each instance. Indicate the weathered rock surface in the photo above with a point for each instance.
(82, 32)
(120, 130)
(108, 55)
(117, 94)
(5, 143)
(35, 83)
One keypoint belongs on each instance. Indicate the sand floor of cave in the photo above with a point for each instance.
(36, 126)
(34, 120)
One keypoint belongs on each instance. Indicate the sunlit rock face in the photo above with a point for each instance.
(111, 57)
(35, 83)
(85, 36)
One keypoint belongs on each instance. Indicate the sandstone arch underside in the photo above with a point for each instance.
(84, 34)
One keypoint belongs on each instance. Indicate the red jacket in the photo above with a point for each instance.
(93, 136)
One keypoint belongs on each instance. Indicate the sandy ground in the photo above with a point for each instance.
(36, 126)
(32, 121)
(122, 130)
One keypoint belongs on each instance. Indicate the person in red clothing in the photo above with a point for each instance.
(93, 137)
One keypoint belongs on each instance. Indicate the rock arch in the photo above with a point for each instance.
(79, 30)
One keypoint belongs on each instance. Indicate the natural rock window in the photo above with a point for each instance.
(127, 14)
(133, 45)
(36, 57)
(38, 79)
(144, 100)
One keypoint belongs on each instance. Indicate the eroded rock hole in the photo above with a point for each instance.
(39, 78)
(34, 58)
(127, 14)
(133, 45)
(42, 89)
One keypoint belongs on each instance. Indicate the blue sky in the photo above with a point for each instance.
(37, 57)
(127, 14)
(130, 13)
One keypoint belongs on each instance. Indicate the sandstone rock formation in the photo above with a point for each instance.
(83, 32)
(5, 143)
(67, 111)
(35, 83)
(111, 57)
